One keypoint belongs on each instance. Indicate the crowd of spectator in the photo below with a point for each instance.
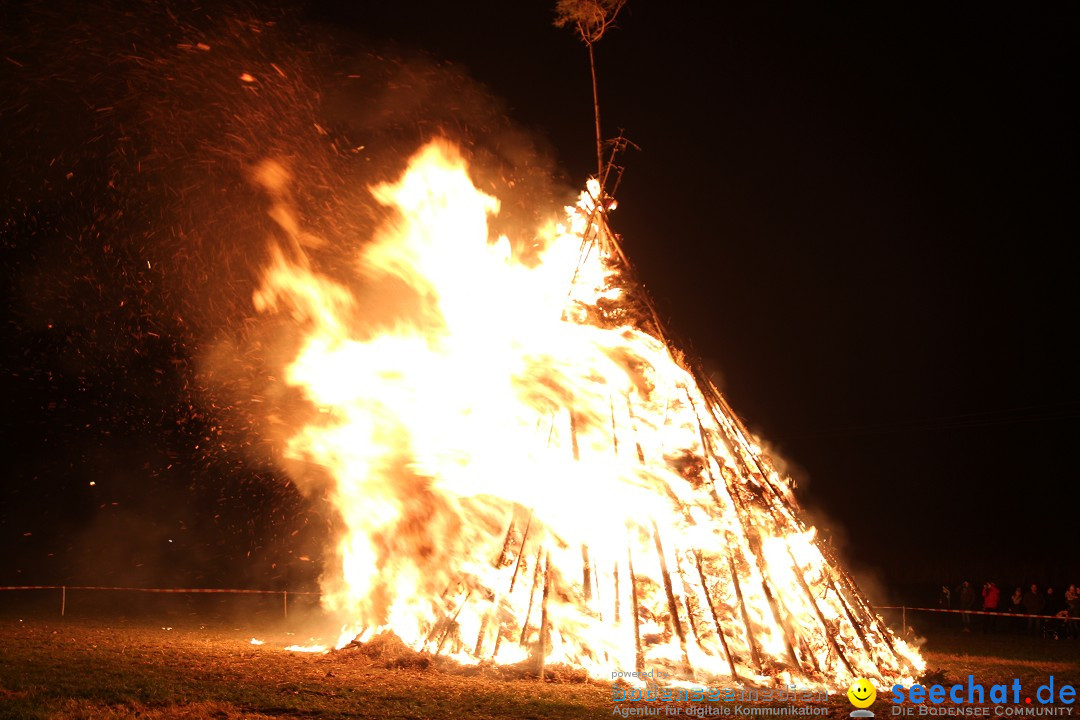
(1034, 611)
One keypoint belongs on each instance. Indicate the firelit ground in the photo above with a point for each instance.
(96, 668)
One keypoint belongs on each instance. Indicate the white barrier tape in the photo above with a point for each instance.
(978, 612)
(158, 590)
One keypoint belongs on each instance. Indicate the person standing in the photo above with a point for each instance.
(1016, 607)
(1034, 603)
(1072, 605)
(945, 598)
(1054, 625)
(967, 602)
(991, 596)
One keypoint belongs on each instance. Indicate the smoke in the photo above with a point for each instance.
(136, 229)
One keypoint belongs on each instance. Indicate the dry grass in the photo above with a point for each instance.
(86, 669)
(1000, 657)
(91, 670)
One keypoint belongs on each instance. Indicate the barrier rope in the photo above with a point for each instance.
(977, 612)
(158, 590)
(232, 591)
(286, 593)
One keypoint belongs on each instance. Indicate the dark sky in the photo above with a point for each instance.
(860, 217)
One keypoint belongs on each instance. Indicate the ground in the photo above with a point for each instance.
(187, 668)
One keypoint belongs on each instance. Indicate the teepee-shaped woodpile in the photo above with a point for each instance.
(531, 474)
(715, 576)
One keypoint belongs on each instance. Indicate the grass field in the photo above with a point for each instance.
(91, 668)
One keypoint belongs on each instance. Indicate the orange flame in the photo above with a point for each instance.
(525, 470)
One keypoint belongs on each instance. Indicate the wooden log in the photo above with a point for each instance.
(750, 640)
(692, 608)
(739, 511)
(480, 635)
(869, 615)
(513, 578)
(618, 599)
(452, 623)
(833, 563)
(805, 587)
(544, 629)
(497, 564)
(752, 540)
(673, 606)
(755, 547)
(630, 410)
(574, 448)
(532, 595)
(755, 657)
(873, 619)
(586, 573)
(639, 655)
(604, 234)
(716, 618)
(870, 650)
(829, 636)
(521, 552)
(615, 450)
(614, 433)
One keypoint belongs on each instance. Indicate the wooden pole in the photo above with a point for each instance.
(805, 587)
(673, 606)
(687, 597)
(639, 656)
(820, 616)
(754, 656)
(513, 580)
(285, 603)
(497, 564)
(710, 390)
(63, 600)
(752, 539)
(615, 450)
(797, 571)
(543, 650)
(707, 450)
(831, 559)
(755, 547)
(716, 620)
(863, 605)
(847, 612)
(586, 572)
(452, 622)
(480, 636)
(615, 575)
(532, 595)
(739, 432)
(596, 116)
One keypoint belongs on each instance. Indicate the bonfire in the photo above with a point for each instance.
(528, 472)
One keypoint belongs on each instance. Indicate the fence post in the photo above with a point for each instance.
(63, 600)
(285, 602)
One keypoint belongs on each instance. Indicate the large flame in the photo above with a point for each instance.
(525, 470)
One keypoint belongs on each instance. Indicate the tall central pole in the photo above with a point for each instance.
(596, 116)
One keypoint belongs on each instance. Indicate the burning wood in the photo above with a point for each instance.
(543, 395)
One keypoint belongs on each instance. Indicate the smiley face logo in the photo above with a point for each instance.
(861, 693)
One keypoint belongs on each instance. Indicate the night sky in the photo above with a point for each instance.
(860, 218)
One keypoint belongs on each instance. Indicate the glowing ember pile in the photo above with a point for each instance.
(527, 471)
